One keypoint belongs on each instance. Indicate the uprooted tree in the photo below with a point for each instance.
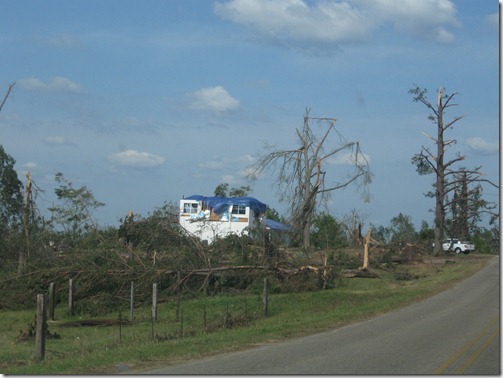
(447, 177)
(302, 171)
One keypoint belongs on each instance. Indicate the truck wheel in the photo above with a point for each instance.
(458, 250)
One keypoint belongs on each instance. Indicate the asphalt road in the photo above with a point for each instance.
(454, 332)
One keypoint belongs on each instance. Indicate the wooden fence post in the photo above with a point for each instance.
(131, 305)
(70, 296)
(52, 300)
(41, 327)
(246, 311)
(181, 323)
(154, 302)
(205, 318)
(227, 318)
(178, 296)
(152, 328)
(265, 298)
(120, 327)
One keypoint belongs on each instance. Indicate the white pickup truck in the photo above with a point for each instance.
(457, 246)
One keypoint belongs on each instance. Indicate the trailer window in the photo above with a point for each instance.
(238, 209)
(190, 208)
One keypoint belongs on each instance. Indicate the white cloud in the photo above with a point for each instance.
(57, 140)
(480, 145)
(215, 99)
(133, 158)
(250, 172)
(417, 18)
(347, 158)
(229, 179)
(493, 20)
(135, 123)
(247, 159)
(56, 84)
(212, 164)
(297, 24)
(64, 40)
(292, 22)
(411, 14)
(444, 36)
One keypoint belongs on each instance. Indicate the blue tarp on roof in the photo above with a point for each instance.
(217, 203)
(276, 226)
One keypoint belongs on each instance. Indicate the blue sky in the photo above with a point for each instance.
(147, 101)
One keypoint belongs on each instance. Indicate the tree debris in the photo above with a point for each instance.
(29, 333)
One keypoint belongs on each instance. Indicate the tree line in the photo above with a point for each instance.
(73, 238)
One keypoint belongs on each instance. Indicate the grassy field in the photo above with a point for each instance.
(217, 324)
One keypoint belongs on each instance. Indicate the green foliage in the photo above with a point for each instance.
(405, 275)
(222, 190)
(11, 198)
(467, 208)
(234, 249)
(402, 229)
(74, 214)
(159, 231)
(486, 241)
(423, 167)
(426, 233)
(419, 93)
(327, 232)
(13, 244)
(381, 233)
(242, 191)
(144, 345)
(273, 214)
(345, 260)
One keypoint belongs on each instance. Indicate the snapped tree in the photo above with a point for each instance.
(447, 178)
(467, 205)
(6, 96)
(302, 171)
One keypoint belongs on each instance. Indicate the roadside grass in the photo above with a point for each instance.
(218, 324)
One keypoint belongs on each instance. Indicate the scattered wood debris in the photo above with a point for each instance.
(94, 323)
(30, 332)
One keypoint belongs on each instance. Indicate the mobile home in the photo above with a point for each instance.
(211, 217)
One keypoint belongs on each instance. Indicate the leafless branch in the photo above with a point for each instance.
(7, 95)
(301, 173)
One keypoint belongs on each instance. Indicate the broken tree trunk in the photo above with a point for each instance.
(366, 250)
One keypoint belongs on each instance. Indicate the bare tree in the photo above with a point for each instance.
(301, 178)
(466, 204)
(429, 162)
(353, 224)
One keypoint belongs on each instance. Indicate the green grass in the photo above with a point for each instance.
(131, 348)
